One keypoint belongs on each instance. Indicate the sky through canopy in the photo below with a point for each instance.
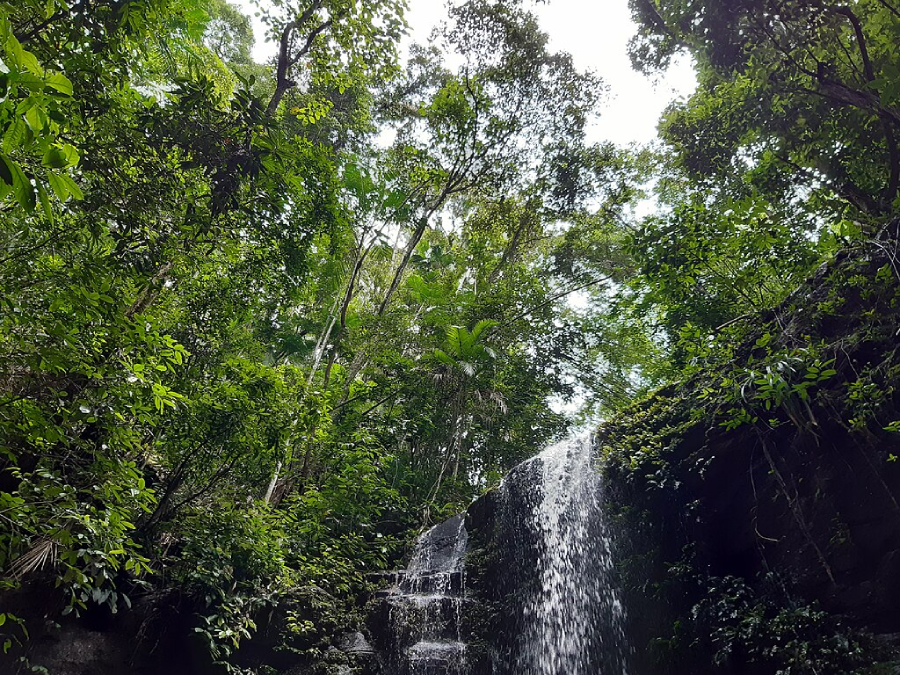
(596, 34)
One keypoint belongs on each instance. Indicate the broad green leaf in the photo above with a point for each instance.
(454, 341)
(16, 135)
(36, 119)
(58, 186)
(71, 153)
(60, 83)
(22, 187)
(5, 173)
(45, 202)
(482, 326)
(22, 57)
(72, 187)
(55, 158)
(60, 157)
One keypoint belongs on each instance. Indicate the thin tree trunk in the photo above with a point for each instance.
(407, 255)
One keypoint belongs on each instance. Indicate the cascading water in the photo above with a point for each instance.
(425, 607)
(572, 619)
(543, 599)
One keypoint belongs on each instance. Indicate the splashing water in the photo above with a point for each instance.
(572, 620)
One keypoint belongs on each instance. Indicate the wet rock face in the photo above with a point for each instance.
(355, 643)
(418, 621)
(438, 550)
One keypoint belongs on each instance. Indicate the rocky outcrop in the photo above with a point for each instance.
(156, 636)
(759, 499)
(153, 637)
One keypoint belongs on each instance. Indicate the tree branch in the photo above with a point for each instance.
(554, 298)
(286, 60)
(890, 191)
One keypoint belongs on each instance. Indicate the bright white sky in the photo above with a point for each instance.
(596, 33)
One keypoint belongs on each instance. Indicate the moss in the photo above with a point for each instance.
(640, 443)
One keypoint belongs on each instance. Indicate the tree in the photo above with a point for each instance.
(247, 346)
(796, 100)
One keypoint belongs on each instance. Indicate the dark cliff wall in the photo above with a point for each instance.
(502, 567)
(757, 502)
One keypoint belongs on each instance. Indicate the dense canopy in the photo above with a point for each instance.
(262, 321)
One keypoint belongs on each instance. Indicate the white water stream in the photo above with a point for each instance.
(573, 624)
(427, 608)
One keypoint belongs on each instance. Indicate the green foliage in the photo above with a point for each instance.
(246, 349)
(791, 637)
(36, 104)
(640, 441)
(234, 561)
(707, 262)
(793, 99)
(786, 151)
(779, 381)
(14, 631)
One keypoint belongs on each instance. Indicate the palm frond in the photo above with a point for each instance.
(35, 558)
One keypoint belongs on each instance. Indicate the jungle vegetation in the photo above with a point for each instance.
(258, 322)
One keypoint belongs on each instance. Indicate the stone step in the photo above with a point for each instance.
(436, 658)
(419, 618)
(434, 582)
(390, 578)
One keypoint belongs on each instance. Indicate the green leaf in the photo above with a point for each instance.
(22, 187)
(443, 357)
(36, 119)
(455, 341)
(71, 187)
(45, 202)
(16, 135)
(58, 186)
(23, 58)
(60, 157)
(60, 83)
(482, 326)
(72, 155)
(54, 158)
(5, 174)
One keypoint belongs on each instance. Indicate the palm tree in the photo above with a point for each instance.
(463, 358)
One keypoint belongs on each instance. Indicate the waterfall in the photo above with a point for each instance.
(426, 606)
(544, 599)
(571, 618)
